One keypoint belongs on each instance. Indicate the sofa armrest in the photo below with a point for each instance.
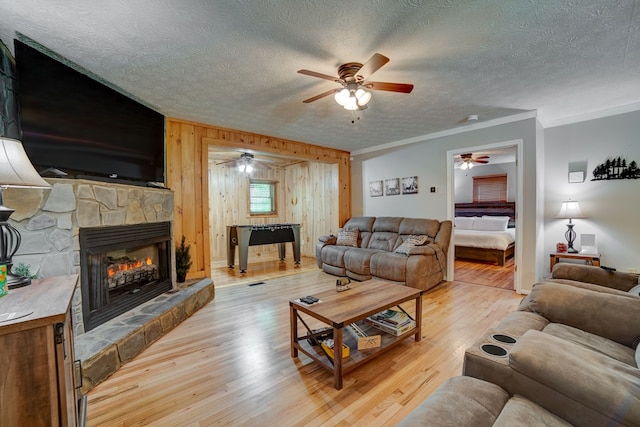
(322, 242)
(609, 316)
(591, 379)
(596, 275)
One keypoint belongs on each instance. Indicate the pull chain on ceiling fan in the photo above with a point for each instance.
(353, 77)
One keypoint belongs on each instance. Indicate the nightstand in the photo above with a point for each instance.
(590, 259)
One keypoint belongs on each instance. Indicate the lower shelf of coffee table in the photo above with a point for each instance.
(356, 357)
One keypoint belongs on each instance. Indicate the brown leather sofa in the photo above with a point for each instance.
(374, 254)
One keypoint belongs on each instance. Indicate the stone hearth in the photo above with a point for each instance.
(49, 222)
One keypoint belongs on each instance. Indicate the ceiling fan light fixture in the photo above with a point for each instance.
(363, 96)
(351, 104)
(342, 96)
(248, 168)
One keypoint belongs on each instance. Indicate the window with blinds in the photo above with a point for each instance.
(490, 188)
(262, 197)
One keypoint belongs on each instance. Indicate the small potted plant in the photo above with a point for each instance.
(183, 260)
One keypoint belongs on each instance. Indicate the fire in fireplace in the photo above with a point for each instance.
(122, 267)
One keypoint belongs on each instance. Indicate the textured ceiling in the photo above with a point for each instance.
(233, 63)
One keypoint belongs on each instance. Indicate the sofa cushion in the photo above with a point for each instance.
(430, 227)
(383, 240)
(357, 260)
(387, 223)
(593, 342)
(389, 265)
(605, 315)
(348, 238)
(334, 255)
(516, 323)
(592, 379)
(522, 412)
(459, 401)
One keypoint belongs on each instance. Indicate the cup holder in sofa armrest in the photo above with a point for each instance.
(505, 339)
(494, 350)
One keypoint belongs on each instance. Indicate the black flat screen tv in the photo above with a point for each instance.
(74, 123)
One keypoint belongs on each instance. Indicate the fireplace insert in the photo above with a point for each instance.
(122, 267)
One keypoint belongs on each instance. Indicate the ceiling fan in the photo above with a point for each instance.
(246, 163)
(468, 160)
(353, 77)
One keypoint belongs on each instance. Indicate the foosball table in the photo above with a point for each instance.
(244, 236)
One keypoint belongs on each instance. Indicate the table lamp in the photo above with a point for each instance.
(570, 210)
(15, 171)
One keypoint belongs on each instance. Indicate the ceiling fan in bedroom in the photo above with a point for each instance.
(468, 160)
(354, 93)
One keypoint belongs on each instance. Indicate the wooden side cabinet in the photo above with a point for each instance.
(37, 375)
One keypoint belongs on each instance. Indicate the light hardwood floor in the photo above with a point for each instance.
(230, 363)
(485, 273)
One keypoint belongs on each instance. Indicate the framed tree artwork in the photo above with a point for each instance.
(392, 187)
(410, 185)
(375, 188)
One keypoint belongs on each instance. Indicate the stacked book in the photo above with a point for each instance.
(393, 322)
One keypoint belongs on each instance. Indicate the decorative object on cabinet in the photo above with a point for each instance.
(570, 210)
(15, 171)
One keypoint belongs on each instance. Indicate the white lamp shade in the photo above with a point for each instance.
(15, 168)
(570, 209)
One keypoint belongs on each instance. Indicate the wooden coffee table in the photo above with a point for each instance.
(339, 309)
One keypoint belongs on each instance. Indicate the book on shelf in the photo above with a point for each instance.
(381, 323)
(392, 317)
(327, 345)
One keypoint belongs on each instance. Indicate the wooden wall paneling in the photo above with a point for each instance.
(188, 141)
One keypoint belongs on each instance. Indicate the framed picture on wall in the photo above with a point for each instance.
(375, 188)
(410, 185)
(392, 187)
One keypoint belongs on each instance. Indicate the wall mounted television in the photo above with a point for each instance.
(74, 123)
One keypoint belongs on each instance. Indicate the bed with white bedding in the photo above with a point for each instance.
(485, 238)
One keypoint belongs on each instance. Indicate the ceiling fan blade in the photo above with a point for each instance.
(391, 87)
(482, 157)
(372, 65)
(319, 75)
(480, 161)
(322, 95)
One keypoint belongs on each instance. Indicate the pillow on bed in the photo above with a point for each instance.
(490, 224)
(497, 217)
(464, 222)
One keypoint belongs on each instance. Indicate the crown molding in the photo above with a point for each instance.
(607, 112)
(468, 128)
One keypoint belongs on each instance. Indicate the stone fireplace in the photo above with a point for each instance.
(53, 224)
(122, 267)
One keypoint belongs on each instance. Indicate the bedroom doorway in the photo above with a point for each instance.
(484, 183)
